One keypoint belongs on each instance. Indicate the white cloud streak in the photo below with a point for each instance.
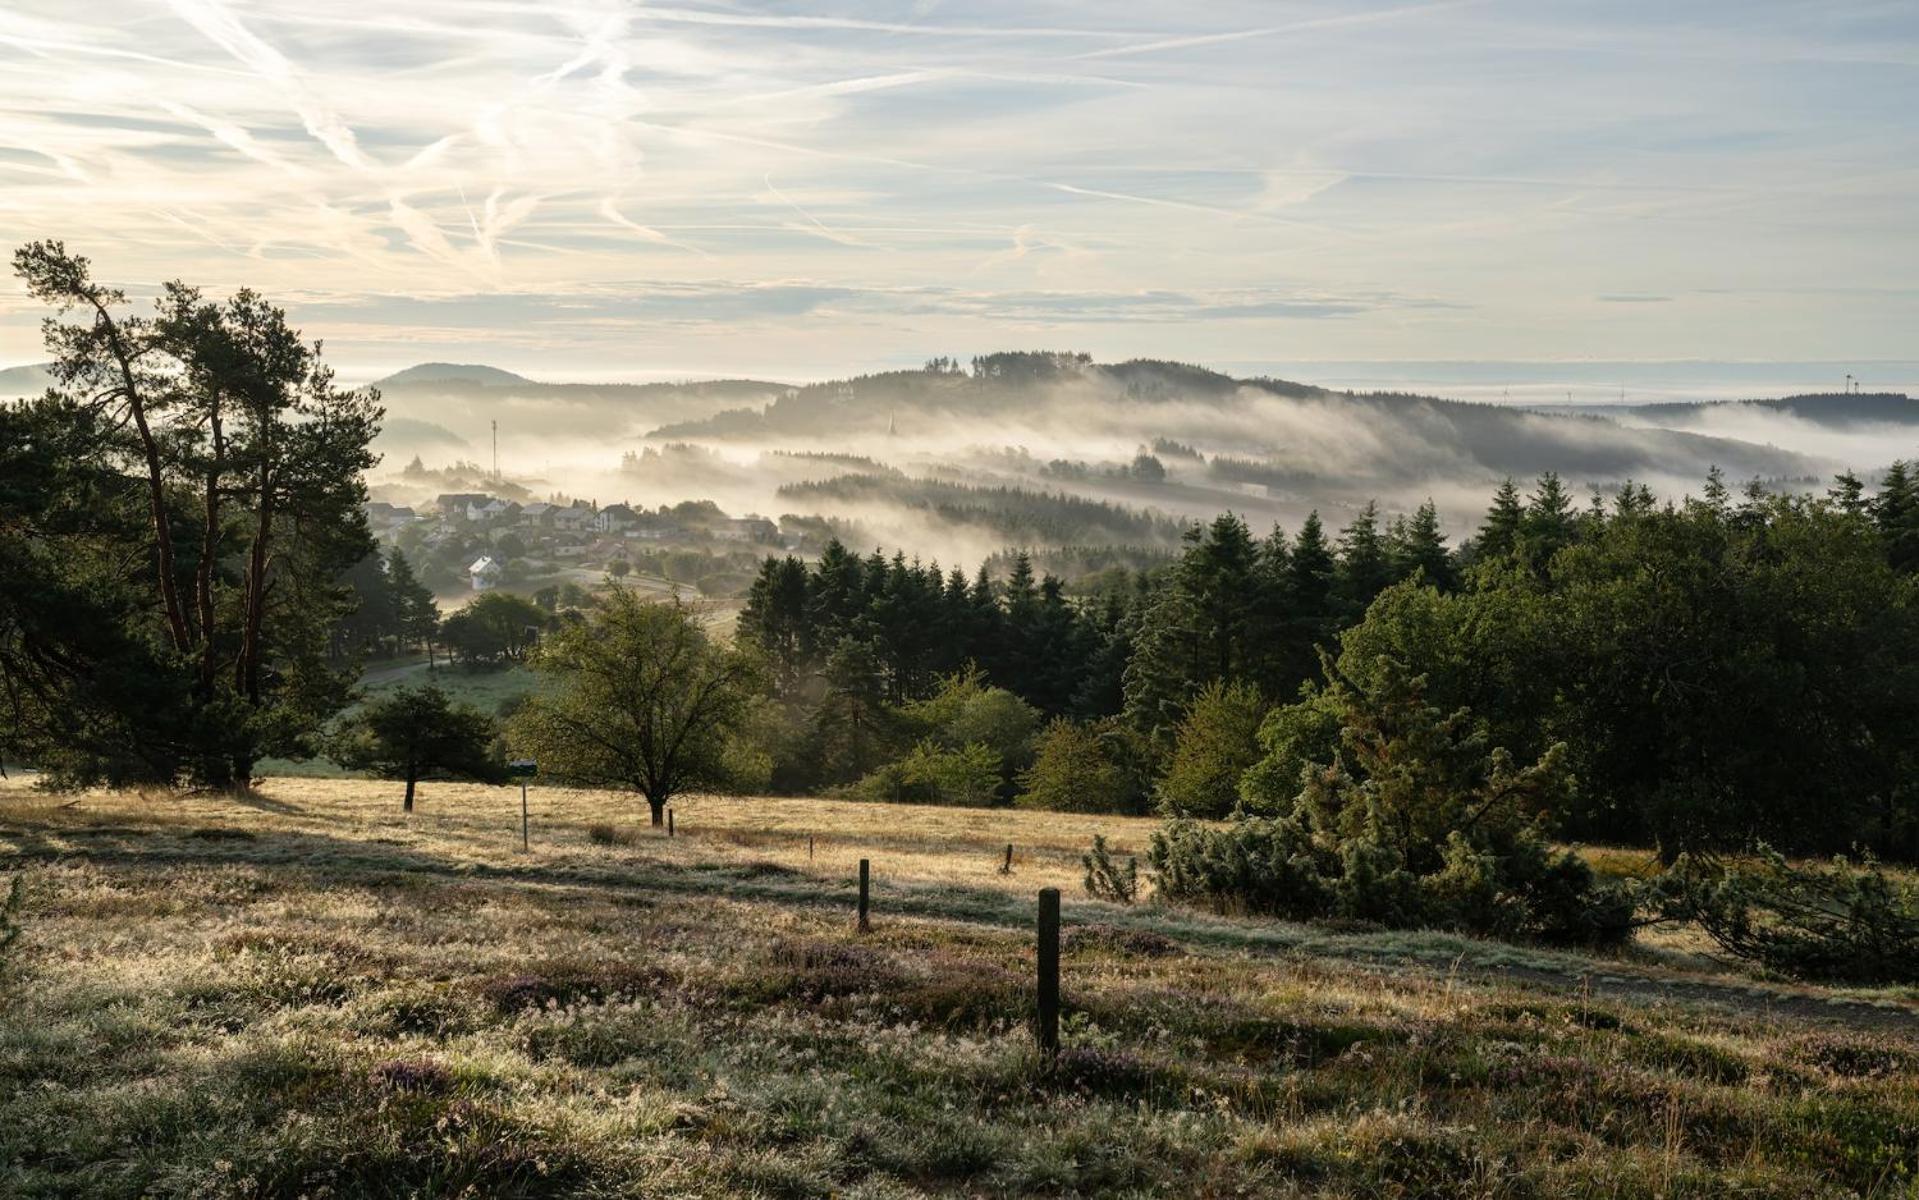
(1501, 171)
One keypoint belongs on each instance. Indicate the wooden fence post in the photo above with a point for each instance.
(864, 925)
(669, 822)
(1049, 971)
(809, 847)
(1006, 868)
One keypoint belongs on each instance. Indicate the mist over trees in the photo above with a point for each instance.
(1710, 672)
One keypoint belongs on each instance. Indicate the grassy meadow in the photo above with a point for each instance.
(303, 993)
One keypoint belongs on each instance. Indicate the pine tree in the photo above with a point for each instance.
(1217, 577)
(1718, 496)
(417, 616)
(1548, 525)
(1311, 613)
(1848, 494)
(1420, 545)
(1364, 570)
(1499, 531)
(1895, 510)
(778, 618)
(1310, 569)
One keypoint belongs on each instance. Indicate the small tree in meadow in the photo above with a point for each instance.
(415, 734)
(640, 698)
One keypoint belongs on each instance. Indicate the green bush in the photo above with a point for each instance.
(1217, 741)
(932, 774)
(1413, 823)
(1294, 737)
(1072, 772)
(1836, 922)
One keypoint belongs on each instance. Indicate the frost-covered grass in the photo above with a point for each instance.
(306, 994)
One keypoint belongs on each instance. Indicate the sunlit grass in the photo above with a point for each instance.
(306, 993)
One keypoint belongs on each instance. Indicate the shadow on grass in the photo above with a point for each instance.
(320, 858)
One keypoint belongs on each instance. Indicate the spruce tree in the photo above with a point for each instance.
(1549, 524)
(1420, 545)
(1895, 510)
(1364, 569)
(1848, 494)
(1499, 532)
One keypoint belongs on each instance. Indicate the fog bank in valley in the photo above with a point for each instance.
(1049, 450)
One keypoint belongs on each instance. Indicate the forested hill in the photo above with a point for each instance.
(436, 372)
(463, 398)
(29, 380)
(1274, 429)
(1835, 410)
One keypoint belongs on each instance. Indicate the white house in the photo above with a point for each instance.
(484, 573)
(573, 516)
(615, 518)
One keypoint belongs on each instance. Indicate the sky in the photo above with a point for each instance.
(804, 189)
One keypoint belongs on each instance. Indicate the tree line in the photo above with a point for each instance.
(1718, 669)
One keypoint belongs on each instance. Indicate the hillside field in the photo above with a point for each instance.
(303, 993)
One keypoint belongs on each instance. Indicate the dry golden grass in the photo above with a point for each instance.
(474, 823)
(307, 993)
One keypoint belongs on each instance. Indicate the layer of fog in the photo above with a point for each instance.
(1866, 449)
(1333, 454)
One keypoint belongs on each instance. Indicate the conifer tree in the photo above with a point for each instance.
(1364, 568)
(1499, 530)
(1419, 545)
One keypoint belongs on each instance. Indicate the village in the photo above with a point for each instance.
(477, 541)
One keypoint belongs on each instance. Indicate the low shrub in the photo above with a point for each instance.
(1107, 879)
(1835, 922)
(603, 834)
(1415, 823)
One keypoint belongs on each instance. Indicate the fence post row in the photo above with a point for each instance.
(1049, 971)
(865, 873)
(523, 769)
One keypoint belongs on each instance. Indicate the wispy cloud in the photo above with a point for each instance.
(868, 184)
(225, 30)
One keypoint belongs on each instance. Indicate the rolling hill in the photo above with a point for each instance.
(1292, 431)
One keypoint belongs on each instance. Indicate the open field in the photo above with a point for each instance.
(303, 993)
